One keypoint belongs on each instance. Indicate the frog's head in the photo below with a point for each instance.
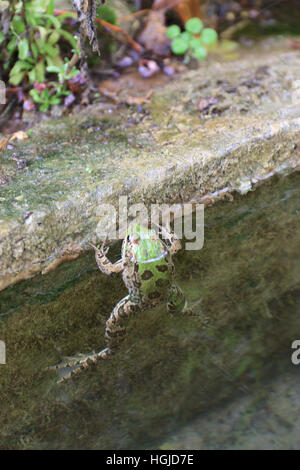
(143, 244)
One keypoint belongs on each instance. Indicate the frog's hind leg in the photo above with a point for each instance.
(114, 335)
(115, 330)
(176, 300)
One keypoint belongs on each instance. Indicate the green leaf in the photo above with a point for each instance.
(44, 107)
(18, 25)
(194, 25)
(179, 46)
(32, 76)
(40, 45)
(54, 100)
(40, 71)
(209, 36)
(68, 36)
(185, 36)
(73, 72)
(1, 37)
(52, 19)
(12, 45)
(36, 96)
(195, 43)
(173, 31)
(53, 69)
(32, 19)
(51, 51)
(20, 65)
(35, 7)
(50, 8)
(53, 38)
(23, 47)
(17, 68)
(16, 78)
(35, 50)
(107, 14)
(43, 33)
(57, 61)
(200, 53)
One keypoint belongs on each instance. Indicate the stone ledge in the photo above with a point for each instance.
(171, 154)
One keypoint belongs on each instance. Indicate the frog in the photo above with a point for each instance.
(148, 274)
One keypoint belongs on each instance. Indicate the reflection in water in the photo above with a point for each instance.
(225, 366)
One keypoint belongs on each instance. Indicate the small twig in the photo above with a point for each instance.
(134, 15)
(231, 30)
(109, 26)
(74, 59)
(137, 47)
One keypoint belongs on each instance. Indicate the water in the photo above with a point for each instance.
(173, 380)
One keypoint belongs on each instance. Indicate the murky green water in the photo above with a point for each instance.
(168, 370)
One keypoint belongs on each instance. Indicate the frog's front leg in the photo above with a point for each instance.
(169, 235)
(106, 266)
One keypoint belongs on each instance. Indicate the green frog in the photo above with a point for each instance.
(148, 273)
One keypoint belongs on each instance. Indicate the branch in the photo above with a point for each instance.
(110, 27)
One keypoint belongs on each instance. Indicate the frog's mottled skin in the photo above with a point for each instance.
(148, 273)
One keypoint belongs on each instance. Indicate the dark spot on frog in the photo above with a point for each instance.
(146, 275)
(162, 268)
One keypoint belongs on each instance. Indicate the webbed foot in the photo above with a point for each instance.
(193, 310)
(73, 365)
(103, 250)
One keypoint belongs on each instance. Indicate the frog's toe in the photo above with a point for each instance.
(70, 361)
(64, 377)
(194, 309)
(73, 365)
(66, 362)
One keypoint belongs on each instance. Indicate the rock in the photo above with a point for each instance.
(170, 151)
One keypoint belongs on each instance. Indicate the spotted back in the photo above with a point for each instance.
(156, 279)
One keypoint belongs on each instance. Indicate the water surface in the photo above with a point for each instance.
(168, 371)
